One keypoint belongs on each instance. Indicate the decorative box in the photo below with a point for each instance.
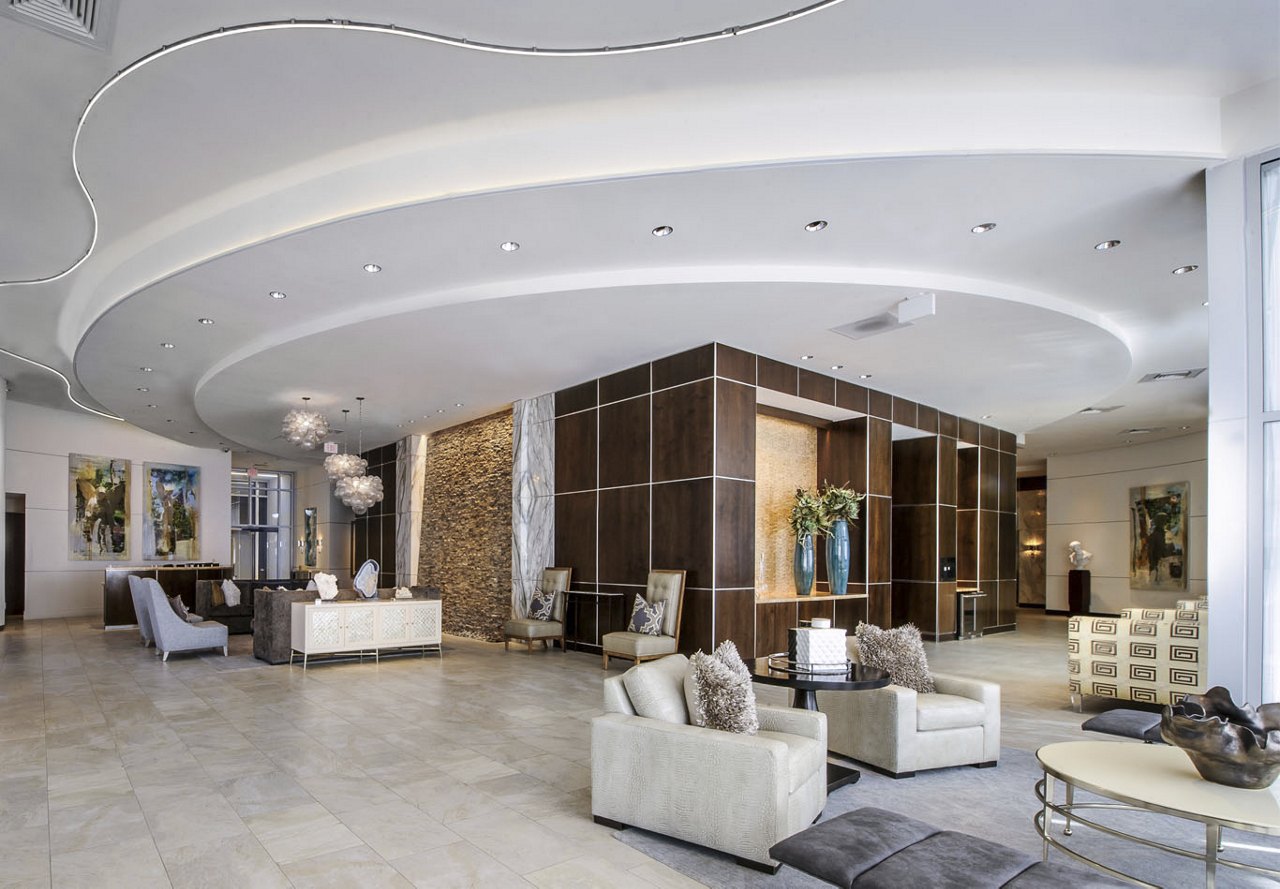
(805, 645)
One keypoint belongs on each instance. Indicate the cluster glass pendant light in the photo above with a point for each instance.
(359, 491)
(344, 465)
(304, 427)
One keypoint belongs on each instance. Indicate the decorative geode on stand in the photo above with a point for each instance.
(1238, 746)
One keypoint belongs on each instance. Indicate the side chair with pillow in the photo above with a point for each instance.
(545, 620)
(653, 630)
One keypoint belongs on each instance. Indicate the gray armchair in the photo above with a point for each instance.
(172, 633)
(528, 630)
(142, 608)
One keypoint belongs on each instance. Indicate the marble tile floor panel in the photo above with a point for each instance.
(469, 770)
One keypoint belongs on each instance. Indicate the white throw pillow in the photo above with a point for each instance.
(231, 593)
(657, 689)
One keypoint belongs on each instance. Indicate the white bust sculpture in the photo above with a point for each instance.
(1078, 555)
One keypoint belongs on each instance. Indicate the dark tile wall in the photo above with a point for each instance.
(373, 535)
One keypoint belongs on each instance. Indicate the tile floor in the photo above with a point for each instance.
(467, 770)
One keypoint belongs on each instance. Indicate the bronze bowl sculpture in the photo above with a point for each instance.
(1238, 746)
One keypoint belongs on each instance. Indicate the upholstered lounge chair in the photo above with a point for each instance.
(529, 630)
(172, 633)
(664, 585)
(142, 608)
(738, 794)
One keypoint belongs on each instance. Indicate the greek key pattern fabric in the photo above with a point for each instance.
(1154, 656)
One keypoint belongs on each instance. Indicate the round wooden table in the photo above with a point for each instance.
(807, 685)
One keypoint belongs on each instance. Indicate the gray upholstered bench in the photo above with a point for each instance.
(1141, 725)
(876, 849)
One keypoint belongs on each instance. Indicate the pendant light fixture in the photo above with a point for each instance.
(360, 491)
(344, 465)
(304, 427)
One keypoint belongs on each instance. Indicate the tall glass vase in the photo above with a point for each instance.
(802, 567)
(838, 557)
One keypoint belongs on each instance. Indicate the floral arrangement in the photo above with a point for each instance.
(807, 515)
(839, 503)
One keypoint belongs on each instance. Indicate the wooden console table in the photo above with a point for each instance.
(364, 626)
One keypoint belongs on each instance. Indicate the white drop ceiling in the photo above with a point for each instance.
(286, 160)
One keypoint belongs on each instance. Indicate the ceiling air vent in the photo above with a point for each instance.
(1166, 375)
(904, 314)
(88, 22)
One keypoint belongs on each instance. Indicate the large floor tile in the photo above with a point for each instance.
(457, 866)
(134, 863)
(357, 866)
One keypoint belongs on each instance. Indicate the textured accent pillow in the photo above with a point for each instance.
(718, 691)
(646, 618)
(230, 594)
(655, 689)
(541, 605)
(900, 651)
(179, 607)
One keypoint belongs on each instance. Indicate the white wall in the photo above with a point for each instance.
(333, 521)
(1088, 500)
(37, 443)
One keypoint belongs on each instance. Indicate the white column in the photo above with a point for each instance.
(411, 476)
(533, 515)
(4, 396)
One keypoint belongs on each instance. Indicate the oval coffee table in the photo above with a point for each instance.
(1151, 778)
(806, 685)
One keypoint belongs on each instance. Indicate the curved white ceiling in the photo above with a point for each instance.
(280, 159)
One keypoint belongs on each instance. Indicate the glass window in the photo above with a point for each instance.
(261, 524)
(1271, 554)
(1271, 284)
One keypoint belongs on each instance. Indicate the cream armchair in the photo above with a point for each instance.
(900, 732)
(738, 794)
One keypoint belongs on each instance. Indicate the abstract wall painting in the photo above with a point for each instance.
(99, 508)
(309, 537)
(171, 513)
(1158, 537)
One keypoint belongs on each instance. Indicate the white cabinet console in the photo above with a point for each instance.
(362, 627)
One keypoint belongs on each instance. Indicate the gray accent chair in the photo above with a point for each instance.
(528, 630)
(172, 633)
(739, 794)
(141, 607)
(663, 584)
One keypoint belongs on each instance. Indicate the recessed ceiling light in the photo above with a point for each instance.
(440, 410)
(1185, 269)
(1106, 245)
(153, 405)
(816, 226)
(1205, 303)
(143, 389)
(277, 294)
(166, 345)
(168, 421)
(205, 320)
(1091, 410)
(662, 231)
(864, 376)
(191, 433)
(145, 370)
(510, 246)
(1185, 428)
(986, 416)
(806, 357)
(372, 268)
(457, 404)
(837, 367)
(983, 228)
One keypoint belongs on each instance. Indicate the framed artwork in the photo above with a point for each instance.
(171, 513)
(309, 537)
(1158, 537)
(99, 508)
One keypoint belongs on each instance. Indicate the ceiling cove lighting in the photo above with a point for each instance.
(816, 226)
(304, 427)
(372, 268)
(510, 246)
(278, 294)
(983, 228)
(1185, 269)
(662, 231)
(1106, 245)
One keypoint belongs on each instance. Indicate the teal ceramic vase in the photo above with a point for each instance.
(802, 567)
(838, 557)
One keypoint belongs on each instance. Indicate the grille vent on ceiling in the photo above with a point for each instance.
(88, 22)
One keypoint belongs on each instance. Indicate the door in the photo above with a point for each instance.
(15, 563)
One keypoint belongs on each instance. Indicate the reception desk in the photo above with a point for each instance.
(177, 580)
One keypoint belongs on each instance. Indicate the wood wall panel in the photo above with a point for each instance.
(772, 621)
(735, 430)
(968, 432)
(684, 367)
(624, 442)
(696, 622)
(851, 397)
(1008, 472)
(915, 471)
(735, 619)
(988, 479)
(879, 546)
(625, 384)
(916, 603)
(576, 398)
(946, 535)
(1008, 537)
(927, 418)
(1007, 604)
(817, 387)
(947, 603)
(1008, 442)
(775, 375)
(850, 611)
(576, 534)
(735, 364)
(905, 412)
(989, 436)
(879, 457)
(947, 466)
(576, 452)
(735, 534)
(915, 543)
(623, 537)
(967, 478)
(816, 606)
(879, 604)
(988, 545)
(879, 404)
(948, 425)
(967, 545)
(683, 519)
(682, 421)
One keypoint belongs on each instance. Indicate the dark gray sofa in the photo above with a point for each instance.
(238, 618)
(272, 617)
